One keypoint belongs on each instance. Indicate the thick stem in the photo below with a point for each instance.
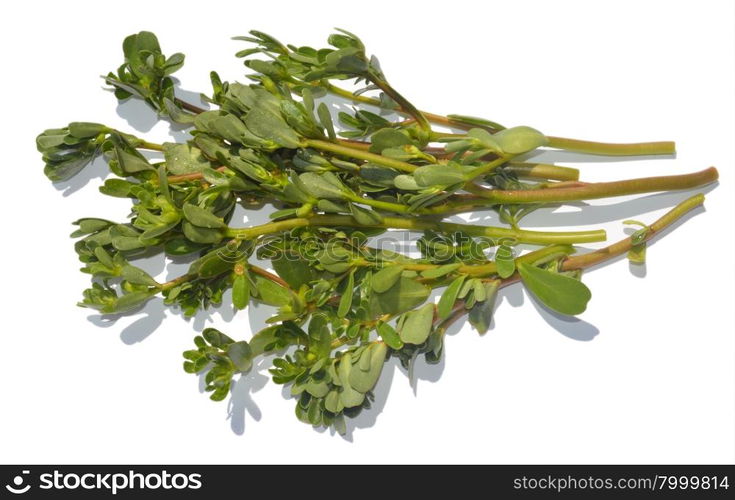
(268, 275)
(491, 267)
(188, 106)
(601, 148)
(601, 189)
(516, 235)
(590, 259)
(622, 246)
(543, 171)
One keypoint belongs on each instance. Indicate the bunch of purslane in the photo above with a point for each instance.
(344, 305)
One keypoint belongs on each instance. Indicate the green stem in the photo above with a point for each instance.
(601, 189)
(384, 205)
(601, 148)
(486, 168)
(491, 267)
(622, 246)
(170, 284)
(359, 154)
(268, 275)
(189, 107)
(604, 254)
(517, 235)
(543, 171)
(150, 145)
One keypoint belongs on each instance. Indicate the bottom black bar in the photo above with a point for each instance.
(522, 481)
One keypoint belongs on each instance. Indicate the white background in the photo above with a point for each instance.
(645, 375)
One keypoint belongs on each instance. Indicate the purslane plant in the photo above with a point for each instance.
(344, 305)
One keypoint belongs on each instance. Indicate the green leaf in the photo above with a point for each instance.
(202, 218)
(325, 185)
(558, 292)
(517, 140)
(405, 294)
(348, 396)
(416, 326)
(220, 393)
(325, 118)
(449, 297)
(265, 338)
(198, 234)
(119, 188)
(387, 138)
(181, 246)
(364, 216)
(486, 139)
(637, 253)
(272, 293)
(240, 291)
(481, 313)
(320, 335)
(364, 380)
(317, 389)
(294, 271)
(183, 158)
(137, 276)
(504, 261)
(66, 169)
(390, 336)
(129, 301)
(216, 338)
(83, 130)
(332, 402)
(211, 265)
(442, 175)
(126, 243)
(386, 278)
(472, 120)
(90, 225)
(406, 182)
(271, 126)
(174, 63)
(345, 301)
(440, 271)
(240, 355)
(123, 157)
(378, 174)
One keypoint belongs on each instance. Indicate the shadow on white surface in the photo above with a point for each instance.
(98, 169)
(585, 214)
(241, 400)
(558, 155)
(241, 405)
(142, 118)
(637, 270)
(569, 326)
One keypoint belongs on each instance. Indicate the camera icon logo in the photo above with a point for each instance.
(18, 487)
